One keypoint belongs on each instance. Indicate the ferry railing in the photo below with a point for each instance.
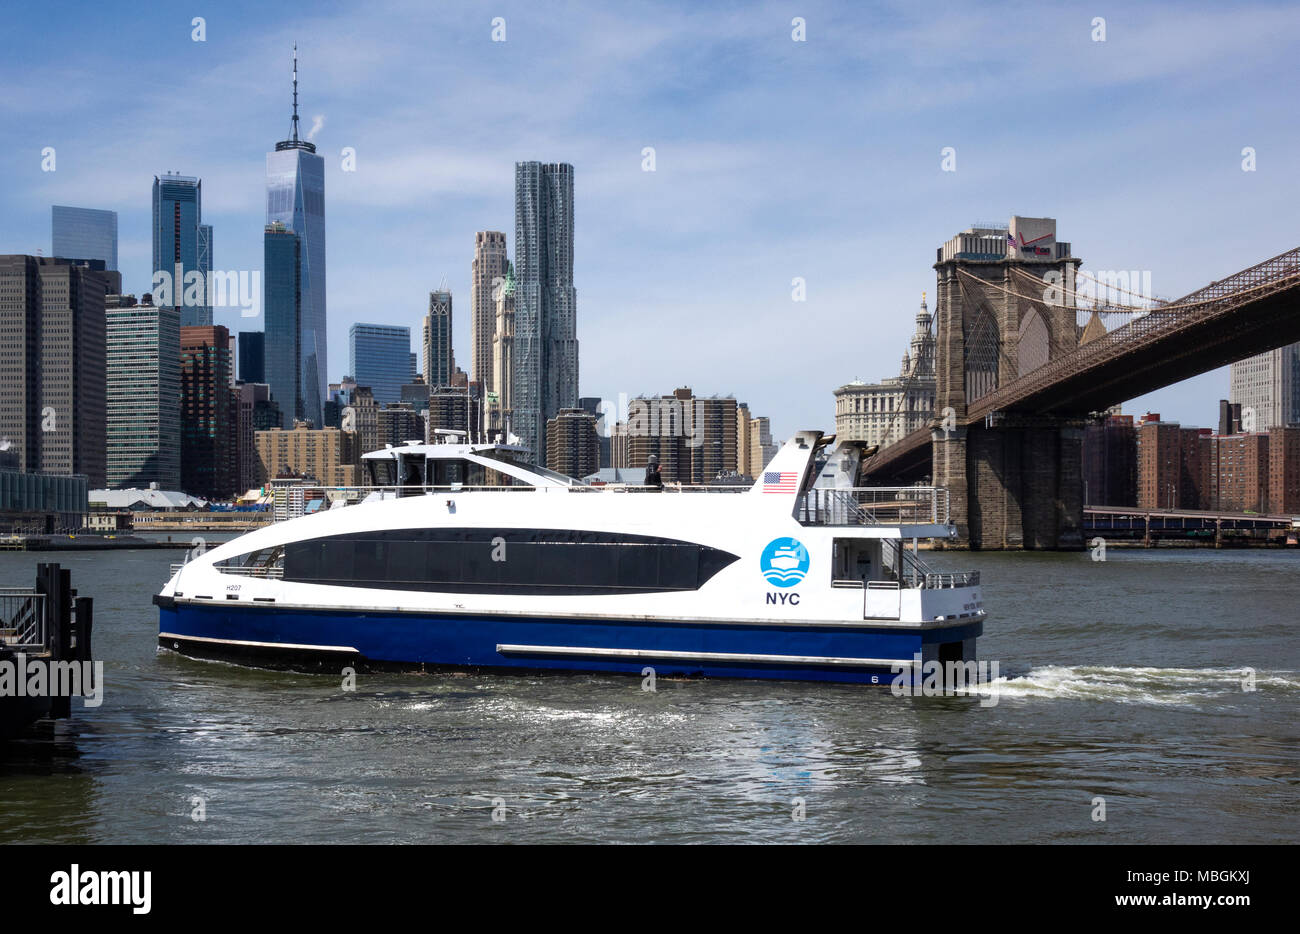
(22, 619)
(913, 571)
(331, 495)
(920, 505)
(945, 581)
(270, 572)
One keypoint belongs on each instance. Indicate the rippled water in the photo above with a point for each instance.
(1120, 679)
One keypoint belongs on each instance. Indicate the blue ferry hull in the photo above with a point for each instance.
(332, 640)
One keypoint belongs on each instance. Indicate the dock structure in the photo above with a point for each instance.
(45, 626)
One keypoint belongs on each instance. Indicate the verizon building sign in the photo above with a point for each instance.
(1031, 238)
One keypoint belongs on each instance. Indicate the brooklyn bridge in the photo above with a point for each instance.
(1019, 374)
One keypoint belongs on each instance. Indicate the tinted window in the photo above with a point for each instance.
(524, 561)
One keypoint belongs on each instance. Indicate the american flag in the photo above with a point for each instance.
(780, 482)
(1012, 241)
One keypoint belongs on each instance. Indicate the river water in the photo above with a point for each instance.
(1120, 680)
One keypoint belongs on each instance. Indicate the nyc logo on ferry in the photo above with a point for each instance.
(784, 563)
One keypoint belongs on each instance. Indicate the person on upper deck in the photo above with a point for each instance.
(652, 478)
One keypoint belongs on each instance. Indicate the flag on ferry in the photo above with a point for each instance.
(784, 481)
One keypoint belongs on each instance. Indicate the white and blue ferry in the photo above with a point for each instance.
(464, 555)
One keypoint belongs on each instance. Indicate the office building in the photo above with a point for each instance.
(439, 362)
(328, 456)
(416, 394)
(1267, 388)
(84, 233)
(545, 325)
(761, 446)
(53, 366)
(44, 502)
(744, 440)
(208, 414)
(257, 411)
(252, 356)
(203, 250)
(177, 244)
(379, 356)
(361, 414)
(143, 402)
(592, 406)
(295, 200)
(499, 398)
(487, 277)
(282, 305)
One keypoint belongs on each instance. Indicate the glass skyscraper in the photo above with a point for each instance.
(295, 198)
(545, 336)
(144, 396)
(439, 361)
(282, 304)
(84, 233)
(252, 356)
(203, 250)
(177, 217)
(379, 356)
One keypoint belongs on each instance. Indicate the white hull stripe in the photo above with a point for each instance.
(261, 645)
(592, 652)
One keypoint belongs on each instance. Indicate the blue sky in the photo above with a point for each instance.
(774, 158)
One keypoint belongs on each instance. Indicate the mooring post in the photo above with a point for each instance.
(85, 617)
(59, 637)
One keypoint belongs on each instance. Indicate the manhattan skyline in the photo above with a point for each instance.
(773, 159)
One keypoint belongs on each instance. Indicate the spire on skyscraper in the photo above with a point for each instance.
(293, 142)
(295, 92)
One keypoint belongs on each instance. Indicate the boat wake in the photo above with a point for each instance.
(1126, 685)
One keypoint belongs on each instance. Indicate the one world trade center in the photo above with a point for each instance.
(294, 275)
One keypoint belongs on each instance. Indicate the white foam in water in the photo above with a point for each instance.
(1163, 686)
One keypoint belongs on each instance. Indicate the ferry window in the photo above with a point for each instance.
(536, 561)
(336, 553)
(381, 472)
(369, 560)
(407, 562)
(442, 561)
(595, 564)
(448, 472)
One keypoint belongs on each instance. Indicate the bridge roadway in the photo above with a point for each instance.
(1131, 522)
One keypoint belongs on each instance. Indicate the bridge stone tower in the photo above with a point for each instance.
(1006, 307)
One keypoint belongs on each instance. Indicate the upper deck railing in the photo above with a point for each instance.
(905, 505)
